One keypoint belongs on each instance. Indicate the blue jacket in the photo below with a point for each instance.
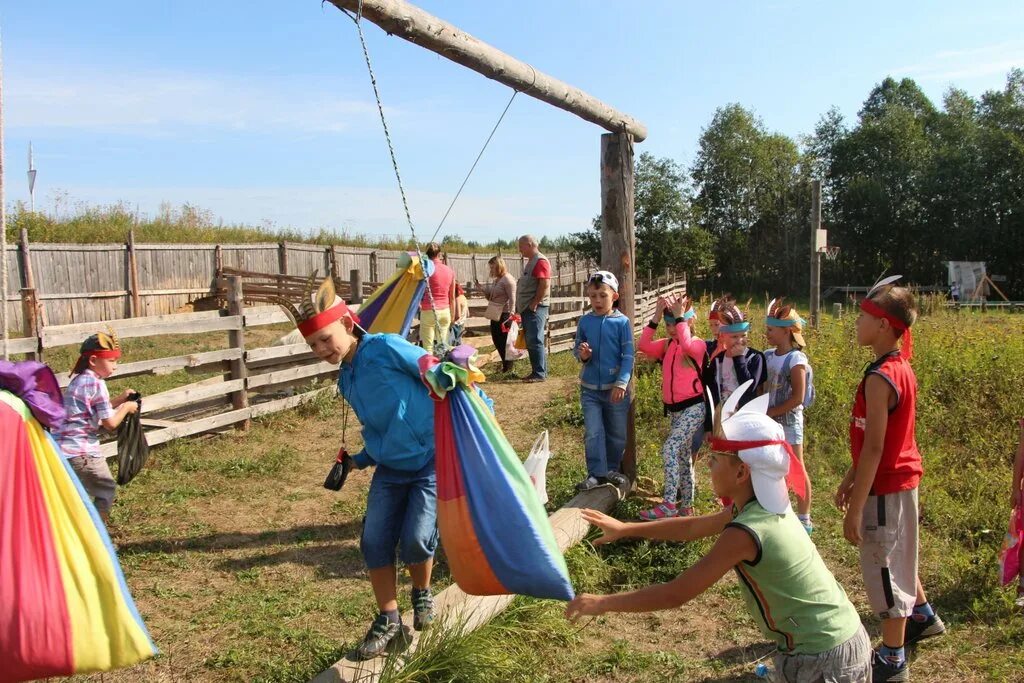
(382, 384)
(611, 345)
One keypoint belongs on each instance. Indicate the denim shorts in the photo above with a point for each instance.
(794, 432)
(401, 512)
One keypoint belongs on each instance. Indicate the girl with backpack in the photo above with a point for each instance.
(681, 356)
(790, 386)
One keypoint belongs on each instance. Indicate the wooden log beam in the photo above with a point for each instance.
(413, 24)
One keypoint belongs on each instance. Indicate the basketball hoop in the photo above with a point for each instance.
(831, 253)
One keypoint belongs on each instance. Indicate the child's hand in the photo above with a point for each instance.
(583, 605)
(126, 393)
(132, 406)
(618, 393)
(679, 305)
(737, 348)
(585, 351)
(851, 525)
(611, 528)
(659, 308)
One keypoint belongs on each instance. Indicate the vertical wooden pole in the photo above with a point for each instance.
(476, 277)
(332, 257)
(218, 260)
(618, 245)
(815, 254)
(373, 268)
(30, 319)
(282, 258)
(236, 340)
(356, 279)
(135, 301)
(27, 277)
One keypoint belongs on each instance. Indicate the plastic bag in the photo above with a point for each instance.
(1009, 557)
(536, 465)
(512, 351)
(132, 447)
(339, 471)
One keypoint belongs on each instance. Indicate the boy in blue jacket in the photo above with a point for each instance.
(604, 345)
(380, 378)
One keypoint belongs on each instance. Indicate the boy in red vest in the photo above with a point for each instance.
(879, 492)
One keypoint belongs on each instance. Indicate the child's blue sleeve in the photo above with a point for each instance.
(362, 459)
(406, 355)
(627, 355)
(580, 338)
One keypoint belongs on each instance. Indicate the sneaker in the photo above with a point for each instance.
(884, 671)
(1019, 602)
(531, 378)
(915, 631)
(618, 479)
(808, 527)
(381, 639)
(591, 482)
(685, 512)
(423, 610)
(660, 511)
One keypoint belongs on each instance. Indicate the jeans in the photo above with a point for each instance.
(401, 511)
(534, 323)
(604, 427)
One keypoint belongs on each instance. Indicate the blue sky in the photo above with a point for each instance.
(262, 112)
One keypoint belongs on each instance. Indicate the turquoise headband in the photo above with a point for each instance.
(779, 322)
(671, 319)
(735, 327)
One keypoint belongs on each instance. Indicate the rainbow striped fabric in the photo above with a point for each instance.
(64, 604)
(392, 307)
(494, 529)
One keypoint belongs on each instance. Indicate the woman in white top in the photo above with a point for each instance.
(501, 297)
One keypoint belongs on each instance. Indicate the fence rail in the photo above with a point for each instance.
(77, 283)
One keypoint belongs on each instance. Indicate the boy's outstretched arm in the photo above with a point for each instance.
(732, 547)
(673, 529)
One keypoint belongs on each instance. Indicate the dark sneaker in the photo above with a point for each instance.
(591, 482)
(884, 671)
(423, 610)
(618, 479)
(915, 631)
(381, 639)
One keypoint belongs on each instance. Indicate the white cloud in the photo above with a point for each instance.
(361, 210)
(977, 62)
(157, 103)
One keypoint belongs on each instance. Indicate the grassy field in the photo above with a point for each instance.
(246, 569)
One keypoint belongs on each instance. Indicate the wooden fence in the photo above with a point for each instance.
(76, 283)
(248, 383)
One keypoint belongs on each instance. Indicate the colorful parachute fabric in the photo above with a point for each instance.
(392, 307)
(65, 605)
(495, 531)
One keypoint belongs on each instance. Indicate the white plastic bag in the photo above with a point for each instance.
(511, 352)
(536, 465)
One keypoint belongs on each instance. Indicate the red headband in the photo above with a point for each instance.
(103, 353)
(873, 309)
(714, 315)
(795, 478)
(325, 318)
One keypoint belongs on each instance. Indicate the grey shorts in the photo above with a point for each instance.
(848, 662)
(96, 479)
(888, 553)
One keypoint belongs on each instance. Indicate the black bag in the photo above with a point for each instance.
(132, 448)
(339, 472)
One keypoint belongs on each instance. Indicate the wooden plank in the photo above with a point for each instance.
(164, 366)
(191, 394)
(265, 315)
(236, 339)
(153, 422)
(271, 378)
(23, 345)
(183, 290)
(411, 23)
(274, 352)
(280, 404)
(62, 335)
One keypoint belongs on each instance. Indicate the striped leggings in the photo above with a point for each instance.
(677, 457)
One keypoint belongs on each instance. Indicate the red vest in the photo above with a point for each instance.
(900, 468)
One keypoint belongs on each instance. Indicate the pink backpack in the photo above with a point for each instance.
(1009, 557)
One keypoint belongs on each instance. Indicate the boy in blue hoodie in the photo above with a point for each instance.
(604, 345)
(380, 378)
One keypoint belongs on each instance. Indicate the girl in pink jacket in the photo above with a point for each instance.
(681, 356)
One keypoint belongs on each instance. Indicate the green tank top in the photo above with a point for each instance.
(790, 592)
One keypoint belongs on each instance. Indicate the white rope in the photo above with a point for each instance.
(3, 214)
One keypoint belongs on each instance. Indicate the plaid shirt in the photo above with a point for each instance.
(86, 402)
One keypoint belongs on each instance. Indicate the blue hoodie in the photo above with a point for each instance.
(611, 344)
(382, 384)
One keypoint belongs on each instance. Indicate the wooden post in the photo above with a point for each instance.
(356, 279)
(27, 278)
(558, 267)
(815, 254)
(618, 245)
(373, 268)
(218, 260)
(476, 277)
(135, 301)
(332, 259)
(30, 318)
(236, 340)
(282, 257)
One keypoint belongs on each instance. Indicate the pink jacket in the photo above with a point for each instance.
(680, 379)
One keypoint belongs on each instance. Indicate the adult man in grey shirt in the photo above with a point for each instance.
(532, 305)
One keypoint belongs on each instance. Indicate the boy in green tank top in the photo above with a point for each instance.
(788, 590)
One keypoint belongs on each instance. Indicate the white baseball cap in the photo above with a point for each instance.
(603, 277)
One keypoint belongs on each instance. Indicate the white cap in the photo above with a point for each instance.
(768, 465)
(604, 277)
